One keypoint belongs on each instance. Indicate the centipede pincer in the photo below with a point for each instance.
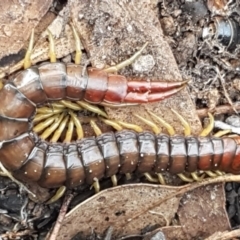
(41, 101)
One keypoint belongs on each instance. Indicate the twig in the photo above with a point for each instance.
(53, 235)
(225, 126)
(223, 109)
(224, 235)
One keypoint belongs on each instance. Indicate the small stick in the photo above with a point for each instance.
(53, 235)
(223, 109)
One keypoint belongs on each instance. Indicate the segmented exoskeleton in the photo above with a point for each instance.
(88, 160)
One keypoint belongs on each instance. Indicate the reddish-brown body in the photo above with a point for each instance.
(53, 165)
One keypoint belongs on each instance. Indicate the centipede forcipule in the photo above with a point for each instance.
(87, 160)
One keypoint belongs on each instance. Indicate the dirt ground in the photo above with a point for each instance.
(197, 41)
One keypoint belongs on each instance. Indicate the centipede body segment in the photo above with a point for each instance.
(72, 163)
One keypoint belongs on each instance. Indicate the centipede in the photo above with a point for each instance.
(52, 92)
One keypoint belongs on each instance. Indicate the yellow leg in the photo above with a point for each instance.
(184, 178)
(114, 180)
(27, 60)
(69, 132)
(150, 178)
(209, 128)
(210, 174)
(78, 55)
(57, 195)
(161, 179)
(134, 127)
(60, 129)
(126, 62)
(187, 128)
(154, 127)
(111, 123)
(46, 110)
(128, 176)
(196, 177)
(95, 127)
(52, 128)
(52, 53)
(42, 125)
(71, 105)
(222, 133)
(77, 124)
(96, 185)
(92, 108)
(169, 128)
(41, 116)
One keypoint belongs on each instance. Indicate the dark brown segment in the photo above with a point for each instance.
(128, 150)
(28, 83)
(108, 146)
(147, 152)
(33, 167)
(75, 170)
(163, 152)
(192, 154)
(13, 104)
(218, 153)
(116, 90)
(14, 153)
(92, 159)
(53, 79)
(12, 128)
(76, 82)
(97, 85)
(178, 155)
(235, 167)
(229, 151)
(206, 152)
(54, 171)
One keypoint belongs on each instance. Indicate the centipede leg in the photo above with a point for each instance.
(96, 185)
(184, 178)
(196, 177)
(127, 62)
(161, 179)
(205, 132)
(211, 174)
(150, 178)
(27, 59)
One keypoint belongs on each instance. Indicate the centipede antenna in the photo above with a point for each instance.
(57, 195)
(169, 128)
(92, 108)
(71, 105)
(77, 124)
(184, 178)
(114, 180)
(127, 62)
(95, 127)
(222, 133)
(161, 179)
(154, 127)
(111, 123)
(52, 52)
(42, 125)
(60, 129)
(205, 132)
(27, 59)
(52, 128)
(78, 55)
(69, 132)
(150, 178)
(187, 128)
